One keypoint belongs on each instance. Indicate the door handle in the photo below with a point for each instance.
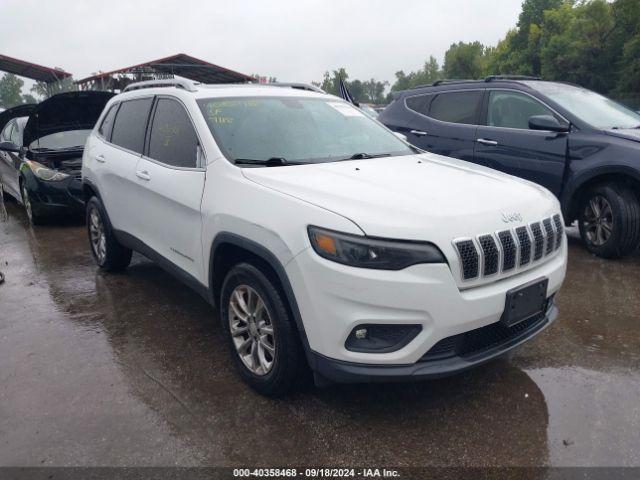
(100, 158)
(484, 141)
(143, 174)
(418, 133)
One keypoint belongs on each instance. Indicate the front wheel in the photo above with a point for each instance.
(107, 252)
(609, 220)
(34, 217)
(264, 342)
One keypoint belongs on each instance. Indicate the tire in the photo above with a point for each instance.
(107, 252)
(609, 220)
(288, 367)
(34, 217)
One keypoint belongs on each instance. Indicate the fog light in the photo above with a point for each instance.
(376, 338)
(361, 333)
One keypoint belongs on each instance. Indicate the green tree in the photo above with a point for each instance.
(28, 98)
(464, 60)
(45, 90)
(429, 73)
(10, 91)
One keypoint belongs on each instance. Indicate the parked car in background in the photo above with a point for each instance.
(368, 109)
(583, 147)
(41, 152)
(326, 241)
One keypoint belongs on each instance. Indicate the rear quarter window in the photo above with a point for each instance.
(419, 103)
(107, 123)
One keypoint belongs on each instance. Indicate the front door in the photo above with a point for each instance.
(171, 180)
(505, 142)
(10, 161)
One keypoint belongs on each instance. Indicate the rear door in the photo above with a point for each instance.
(446, 122)
(170, 179)
(505, 142)
(114, 161)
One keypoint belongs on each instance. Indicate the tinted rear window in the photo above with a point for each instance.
(131, 123)
(419, 103)
(456, 107)
(173, 140)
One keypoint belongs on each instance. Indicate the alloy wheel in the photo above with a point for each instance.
(97, 235)
(598, 220)
(251, 330)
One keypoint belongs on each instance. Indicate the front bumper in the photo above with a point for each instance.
(346, 372)
(55, 198)
(333, 299)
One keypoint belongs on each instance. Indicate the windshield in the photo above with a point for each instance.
(69, 139)
(296, 129)
(592, 108)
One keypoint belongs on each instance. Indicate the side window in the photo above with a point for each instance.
(418, 103)
(456, 107)
(173, 140)
(6, 132)
(513, 109)
(107, 122)
(14, 135)
(131, 123)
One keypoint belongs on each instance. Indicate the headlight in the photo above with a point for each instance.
(45, 173)
(367, 252)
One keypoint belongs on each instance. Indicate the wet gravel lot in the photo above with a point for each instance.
(131, 369)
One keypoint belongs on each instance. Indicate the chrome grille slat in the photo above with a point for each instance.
(508, 250)
(470, 260)
(524, 242)
(550, 236)
(538, 241)
(559, 230)
(491, 255)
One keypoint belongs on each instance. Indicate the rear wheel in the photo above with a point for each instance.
(107, 252)
(264, 342)
(609, 220)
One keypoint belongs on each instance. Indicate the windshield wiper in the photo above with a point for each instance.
(363, 155)
(270, 162)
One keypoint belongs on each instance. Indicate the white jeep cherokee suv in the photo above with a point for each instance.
(326, 241)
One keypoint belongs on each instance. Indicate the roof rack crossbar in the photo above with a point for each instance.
(187, 85)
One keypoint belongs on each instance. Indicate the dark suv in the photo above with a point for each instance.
(582, 146)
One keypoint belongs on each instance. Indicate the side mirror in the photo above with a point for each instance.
(401, 136)
(10, 147)
(547, 122)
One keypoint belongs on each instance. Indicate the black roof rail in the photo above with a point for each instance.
(443, 82)
(491, 78)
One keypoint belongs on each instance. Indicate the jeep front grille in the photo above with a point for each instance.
(507, 250)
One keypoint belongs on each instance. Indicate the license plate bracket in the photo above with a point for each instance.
(525, 302)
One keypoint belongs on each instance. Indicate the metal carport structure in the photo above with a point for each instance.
(182, 65)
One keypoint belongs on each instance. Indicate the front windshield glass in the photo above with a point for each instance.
(592, 108)
(69, 139)
(296, 129)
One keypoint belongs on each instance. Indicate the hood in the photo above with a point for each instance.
(414, 197)
(15, 112)
(65, 112)
(627, 134)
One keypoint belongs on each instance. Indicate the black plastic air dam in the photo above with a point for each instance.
(338, 371)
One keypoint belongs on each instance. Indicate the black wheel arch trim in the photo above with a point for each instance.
(575, 183)
(266, 255)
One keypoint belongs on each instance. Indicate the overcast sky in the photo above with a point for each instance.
(293, 40)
